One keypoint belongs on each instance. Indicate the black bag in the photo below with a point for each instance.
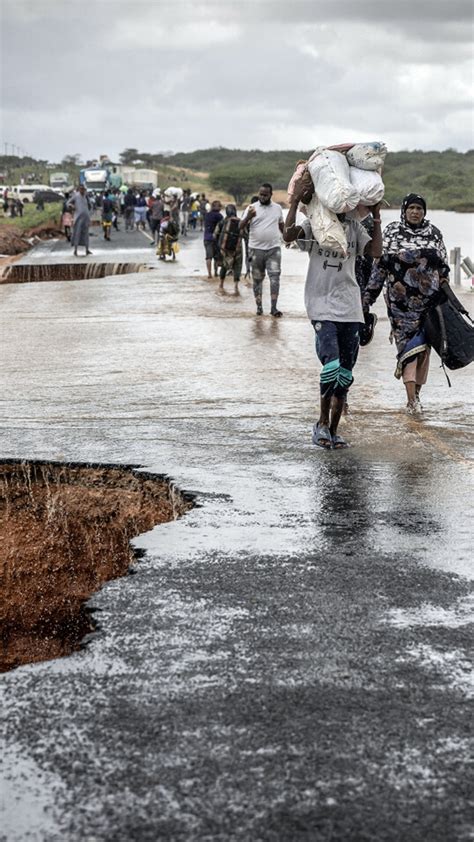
(230, 235)
(449, 332)
(172, 230)
(366, 329)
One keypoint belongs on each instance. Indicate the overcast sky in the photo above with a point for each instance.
(96, 76)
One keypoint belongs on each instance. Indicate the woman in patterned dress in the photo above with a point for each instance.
(413, 264)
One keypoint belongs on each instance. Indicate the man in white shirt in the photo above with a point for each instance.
(264, 219)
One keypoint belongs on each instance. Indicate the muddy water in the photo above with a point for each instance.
(158, 368)
(298, 635)
(27, 273)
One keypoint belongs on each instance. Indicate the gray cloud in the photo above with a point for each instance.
(104, 74)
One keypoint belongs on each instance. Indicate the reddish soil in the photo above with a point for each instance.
(64, 531)
(14, 242)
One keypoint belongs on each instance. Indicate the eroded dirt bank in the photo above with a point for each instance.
(64, 531)
(13, 240)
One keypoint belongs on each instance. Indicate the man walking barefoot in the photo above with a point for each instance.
(264, 219)
(333, 304)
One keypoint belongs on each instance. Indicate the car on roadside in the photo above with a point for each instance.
(26, 192)
(46, 196)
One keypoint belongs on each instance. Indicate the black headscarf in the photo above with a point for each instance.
(412, 199)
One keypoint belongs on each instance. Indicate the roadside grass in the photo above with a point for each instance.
(33, 217)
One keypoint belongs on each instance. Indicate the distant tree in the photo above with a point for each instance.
(240, 181)
(71, 160)
(128, 156)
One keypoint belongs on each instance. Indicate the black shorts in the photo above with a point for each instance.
(337, 347)
(212, 251)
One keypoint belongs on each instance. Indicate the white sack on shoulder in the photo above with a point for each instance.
(330, 173)
(327, 230)
(367, 156)
(368, 184)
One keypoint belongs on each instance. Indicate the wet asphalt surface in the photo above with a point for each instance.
(293, 658)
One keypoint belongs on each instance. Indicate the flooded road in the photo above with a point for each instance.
(292, 658)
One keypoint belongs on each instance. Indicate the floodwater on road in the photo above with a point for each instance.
(291, 658)
(158, 365)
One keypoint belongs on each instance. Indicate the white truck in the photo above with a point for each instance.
(140, 178)
(59, 181)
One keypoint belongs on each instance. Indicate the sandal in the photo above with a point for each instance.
(338, 443)
(322, 437)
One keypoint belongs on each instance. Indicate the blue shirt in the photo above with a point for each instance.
(210, 221)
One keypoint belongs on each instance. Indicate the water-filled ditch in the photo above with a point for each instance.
(21, 273)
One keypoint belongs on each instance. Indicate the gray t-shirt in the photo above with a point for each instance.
(332, 292)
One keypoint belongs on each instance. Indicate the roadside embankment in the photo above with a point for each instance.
(64, 531)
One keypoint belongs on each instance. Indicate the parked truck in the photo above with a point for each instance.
(142, 179)
(95, 179)
(59, 181)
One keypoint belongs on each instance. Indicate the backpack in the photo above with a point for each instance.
(448, 331)
(230, 236)
(173, 229)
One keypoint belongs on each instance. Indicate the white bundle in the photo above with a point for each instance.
(367, 156)
(327, 230)
(329, 171)
(174, 191)
(368, 184)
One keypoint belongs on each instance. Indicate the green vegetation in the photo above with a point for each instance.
(33, 171)
(32, 217)
(240, 181)
(446, 179)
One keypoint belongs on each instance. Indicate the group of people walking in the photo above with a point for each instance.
(259, 232)
(408, 261)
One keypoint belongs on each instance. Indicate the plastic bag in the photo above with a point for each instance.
(330, 173)
(367, 156)
(326, 228)
(368, 184)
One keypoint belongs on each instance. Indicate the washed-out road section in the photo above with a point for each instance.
(291, 659)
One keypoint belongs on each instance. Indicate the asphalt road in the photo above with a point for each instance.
(292, 659)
